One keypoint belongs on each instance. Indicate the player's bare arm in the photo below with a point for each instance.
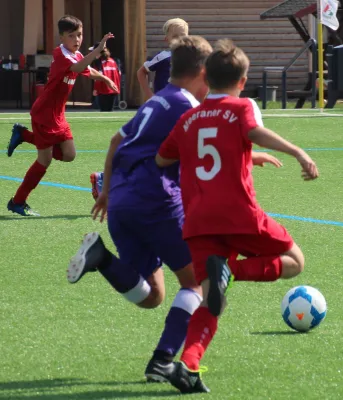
(164, 162)
(268, 139)
(83, 64)
(261, 158)
(95, 75)
(100, 207)
(142, 75)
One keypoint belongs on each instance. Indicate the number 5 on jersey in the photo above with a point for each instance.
(208, 149)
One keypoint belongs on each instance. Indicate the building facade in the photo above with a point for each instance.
(30, 26)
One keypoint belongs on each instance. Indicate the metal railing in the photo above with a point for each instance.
(283, 70)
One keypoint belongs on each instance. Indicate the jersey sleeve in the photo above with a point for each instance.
(127, 128)
(153, 64)
(62, 62)
(257, 113)
(251, 118)
(169, 148)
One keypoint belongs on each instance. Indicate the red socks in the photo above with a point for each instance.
(258, 269)
(32, 178)
(27, 136)
(201, 329)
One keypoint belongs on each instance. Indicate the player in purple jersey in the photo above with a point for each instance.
(160, 63)
(144, 208)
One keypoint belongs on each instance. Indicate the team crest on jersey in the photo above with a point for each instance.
(68, 81)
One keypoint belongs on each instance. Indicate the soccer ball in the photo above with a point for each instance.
(303, 308)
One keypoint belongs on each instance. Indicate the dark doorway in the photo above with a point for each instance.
(112, 20)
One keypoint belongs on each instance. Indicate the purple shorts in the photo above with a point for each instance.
(147, 238)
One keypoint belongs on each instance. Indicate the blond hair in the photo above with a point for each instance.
(175, 27)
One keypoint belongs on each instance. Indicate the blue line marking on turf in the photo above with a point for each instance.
(309, 149)
(54, 184)
(314, 220)
(84, 189)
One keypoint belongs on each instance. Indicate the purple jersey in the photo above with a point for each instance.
(160, 64)
(136, 180)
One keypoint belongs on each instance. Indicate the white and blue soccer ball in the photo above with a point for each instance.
(303, 308)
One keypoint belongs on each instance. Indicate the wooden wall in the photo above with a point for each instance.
(135, 49)
(271, 42)
(12, 28)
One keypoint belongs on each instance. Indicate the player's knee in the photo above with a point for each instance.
(44, 159)
(299, 260)
(299, 266)
(143, 295)
(69, 157)
(153, 300)
(294, 263)
(187, 278)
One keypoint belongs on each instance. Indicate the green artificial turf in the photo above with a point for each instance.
(60, 341)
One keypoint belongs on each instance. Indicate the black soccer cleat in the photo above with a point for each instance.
(22, 209)
(159, 371)
(16, 138)
(88, 258)
(220, 277)
(187, 381)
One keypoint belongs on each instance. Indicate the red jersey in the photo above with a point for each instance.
(211, 141)
(111, 70)
(48, 109)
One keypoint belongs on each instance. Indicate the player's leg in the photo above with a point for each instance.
(68, 150)
(107, 102)
(271, 254)
(19, 135)
(121, 273)
(111, 101)
(165, 238)
(32, 178)
(102, 102)
(203, 324)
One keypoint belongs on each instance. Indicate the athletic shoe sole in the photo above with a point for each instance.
(154, 378)
(93, 179)
(83, 261)
(217, 274)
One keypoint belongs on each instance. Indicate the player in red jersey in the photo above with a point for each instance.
(51, 133)
(222, 217)
(107, 66)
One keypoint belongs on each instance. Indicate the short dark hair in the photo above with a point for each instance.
(189, 54)
(68, 23)
(226, 65)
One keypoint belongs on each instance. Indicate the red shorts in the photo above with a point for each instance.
(44, 138)
(273, 240)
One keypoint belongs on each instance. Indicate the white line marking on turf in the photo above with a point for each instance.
(301, 115)
(124, 117)
(95, 117)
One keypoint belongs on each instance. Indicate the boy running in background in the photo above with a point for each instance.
(51, 133)
(160, 64)
(222, 217)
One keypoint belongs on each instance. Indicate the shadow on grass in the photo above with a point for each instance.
(272, 333)
(70, 217)
(52, 389)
